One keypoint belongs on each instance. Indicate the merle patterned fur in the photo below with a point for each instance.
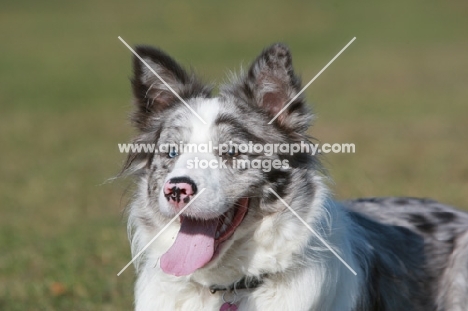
(409, 254)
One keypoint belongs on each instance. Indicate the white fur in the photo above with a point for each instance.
(312, 280)
(385, 248)
(323, 285)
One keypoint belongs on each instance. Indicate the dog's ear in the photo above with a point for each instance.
(272, 84)
(151, 95)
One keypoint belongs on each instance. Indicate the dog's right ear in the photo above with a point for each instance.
(151, 95)
(272, 85)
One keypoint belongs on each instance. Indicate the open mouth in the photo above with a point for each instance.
(198, 239)
(230, 220)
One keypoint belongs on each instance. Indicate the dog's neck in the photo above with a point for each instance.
(244, 283)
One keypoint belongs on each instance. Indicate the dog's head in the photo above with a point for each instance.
(225, 191)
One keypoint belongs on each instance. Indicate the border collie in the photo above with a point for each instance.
(234, 243)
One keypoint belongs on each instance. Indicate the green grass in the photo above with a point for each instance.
(399, 93)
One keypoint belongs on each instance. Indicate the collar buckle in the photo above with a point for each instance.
(244, 283)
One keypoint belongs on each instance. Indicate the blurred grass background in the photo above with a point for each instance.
(399, 93)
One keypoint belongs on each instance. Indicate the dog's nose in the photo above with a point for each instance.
(179, 191)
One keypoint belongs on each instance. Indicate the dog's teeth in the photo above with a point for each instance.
(224, 227)
(229, 216)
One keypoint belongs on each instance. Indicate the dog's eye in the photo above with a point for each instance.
(233, 152)
(173, 153)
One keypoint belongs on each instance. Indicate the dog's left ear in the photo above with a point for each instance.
(272, 84)
(151, 94)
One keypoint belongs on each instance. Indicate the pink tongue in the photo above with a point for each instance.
(193, 247)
